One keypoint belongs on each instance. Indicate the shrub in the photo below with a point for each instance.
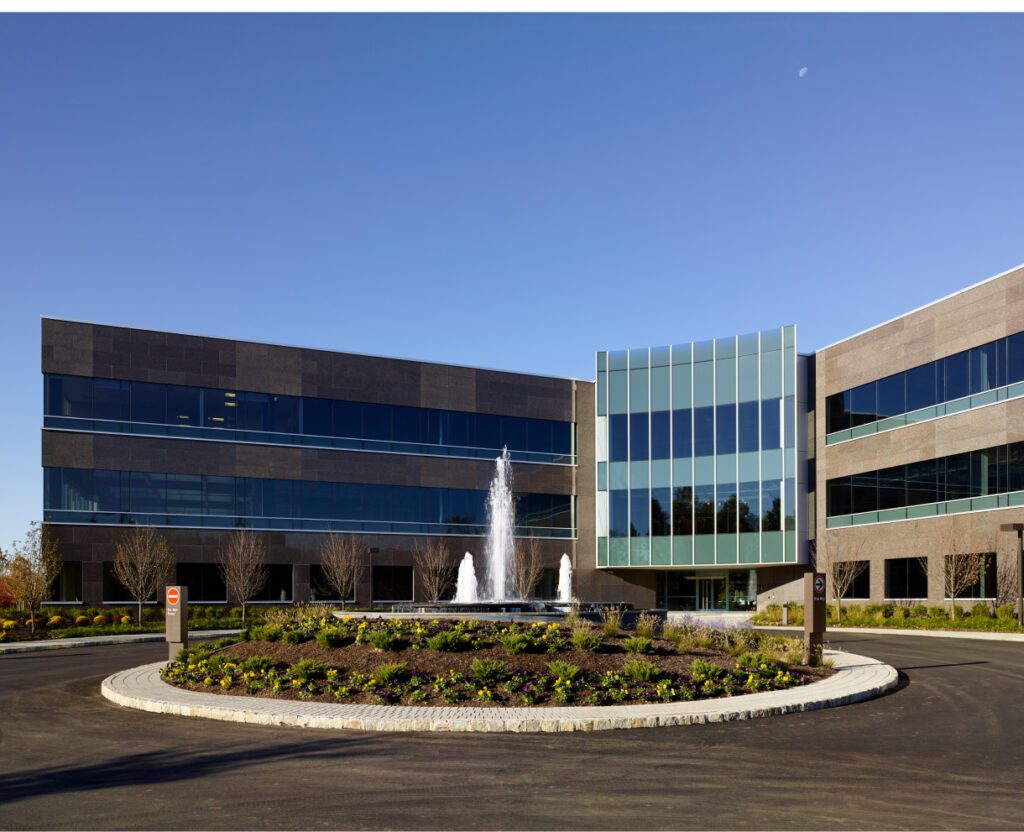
(641, 670)
(81, 620)
(490, 671)
(647, 625)
(307, 669)
(937, 612)
(772, 614)
(227, 641)
(100, 620)
(55, 621)
(388, 672)
(753, 660)
(256, 664)
(383, 639)
(514, 643)
(329, 639)
(919, 611)
(980, 611)
(611, 620)
(638, 644)
(268, 632)
(702, 669)
(126, 619)
(680, 637)
(294, 637)
(564, 670)
(1006, 612)
(796, 614)
(583, 638)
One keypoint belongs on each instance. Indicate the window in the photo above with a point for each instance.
(660, 435)
(725, 429)
(319, 588)
(749, 509)
(638, 440)
(749, 427)
(67, 586)
(682, 446)
(921, 389)
(618, 520)
(771, 428)
(661, 512)
(704, 431)
(892, 398)
(704, 509)
(618, 438)
(860, 586)
(278, 589)
(905, 579)
(640, 513)
(957, 371)
(392, 583)
(863, 405)
(726, 508)
(985, 586)
(682, 510)
(771, 505)
(204, 582)
(114, 592)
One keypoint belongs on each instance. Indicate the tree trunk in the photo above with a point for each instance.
(243, 613)
(140, 613)
(31, 620)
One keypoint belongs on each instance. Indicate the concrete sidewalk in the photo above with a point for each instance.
(893, 631)
(857, 678)
(99, 641)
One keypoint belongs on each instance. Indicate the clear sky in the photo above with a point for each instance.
(506, 191)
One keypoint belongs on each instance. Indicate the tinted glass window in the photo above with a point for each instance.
(682, 510)
(1015, 358)
(771, 505)
(618, 513)
(749, 506)
(838, 496)
(725, 429)
(891, 488)
(921, 483)
(149, 403)
(638, 436)
(892, 398)
(618, 437)
(661, 512)
(392, 583)
(864, 492)
(640, 516)
(958, 476)
(863, 404)
(905, 578)
(984, 368)
(771, 426)
(253, 412)
(317, 417)
(284, 414)
(183, 405)
(682, 447)
(748, 427)
(921, 387)
(110, 400)
(704, 431)
(725, 508)
(837, 412)
(956, 369)
(660, 435)
(704, 509)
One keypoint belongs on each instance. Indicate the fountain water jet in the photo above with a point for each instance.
(501, 519)
(465, 589)
(565, 580)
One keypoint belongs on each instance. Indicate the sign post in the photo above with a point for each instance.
(176, 619)
(814, 617)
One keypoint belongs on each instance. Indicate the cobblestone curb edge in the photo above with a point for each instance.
(857, 678)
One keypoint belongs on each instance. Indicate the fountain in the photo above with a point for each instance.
(565, 580)
(465, 589)
(501, 521)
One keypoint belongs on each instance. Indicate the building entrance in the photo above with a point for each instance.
(711, 594)
(734, 590)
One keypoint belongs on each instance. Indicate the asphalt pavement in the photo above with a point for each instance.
(943, 751)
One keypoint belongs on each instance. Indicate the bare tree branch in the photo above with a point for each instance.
(842, 562)
(527, 567)
(434, 566)
(31, 568)
(343, 560)
(142, 563)
(243, 566)
(959, 568)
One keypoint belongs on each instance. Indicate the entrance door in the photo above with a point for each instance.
(711, 594)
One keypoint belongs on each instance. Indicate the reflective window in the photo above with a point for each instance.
(985, 367)
(704, 431)
(725, 429)
(638, 439)
(661, 512)
(618, 438)
(660, 435)
(682, 446)
(749, 426)
(906, 579)
(618, 513)
(281, 419)
(704, 509)
(725, 508)
(749, 508)
(682, 510)
(640, 513)
(771, 428)
(771, 505)
(392, 583)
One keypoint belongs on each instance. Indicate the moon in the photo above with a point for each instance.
(802, 72)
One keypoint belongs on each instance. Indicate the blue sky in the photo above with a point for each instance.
(507, 191)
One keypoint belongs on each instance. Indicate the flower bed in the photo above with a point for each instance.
(981, 617)
(73, 622)
(416, 662)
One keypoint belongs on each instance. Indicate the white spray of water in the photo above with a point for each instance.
(465, 589)
(565, 580)
(501, 518)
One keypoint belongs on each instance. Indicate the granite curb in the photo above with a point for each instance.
(893, 631)
(103, 641)
(857, 678)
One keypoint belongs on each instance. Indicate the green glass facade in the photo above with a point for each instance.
(699, 449)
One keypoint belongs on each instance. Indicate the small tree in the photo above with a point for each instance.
(31, 567)
(434, 566)
(526, 567)
(959, 569)
(142, 563)
(1006, 581)
(842, 563)
(342, 557)
(243, 566)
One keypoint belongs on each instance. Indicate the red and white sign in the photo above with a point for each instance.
(173, 596)
(819, 584)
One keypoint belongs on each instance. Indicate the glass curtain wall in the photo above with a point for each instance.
(696, 452)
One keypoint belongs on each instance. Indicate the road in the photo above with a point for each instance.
(943, 751)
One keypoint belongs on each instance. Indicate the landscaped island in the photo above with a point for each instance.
(312, 655)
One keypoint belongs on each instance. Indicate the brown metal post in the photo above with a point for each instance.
(176, 619)
(814, 617)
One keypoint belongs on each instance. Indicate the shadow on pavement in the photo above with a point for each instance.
(163, 767)
(930, 666)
